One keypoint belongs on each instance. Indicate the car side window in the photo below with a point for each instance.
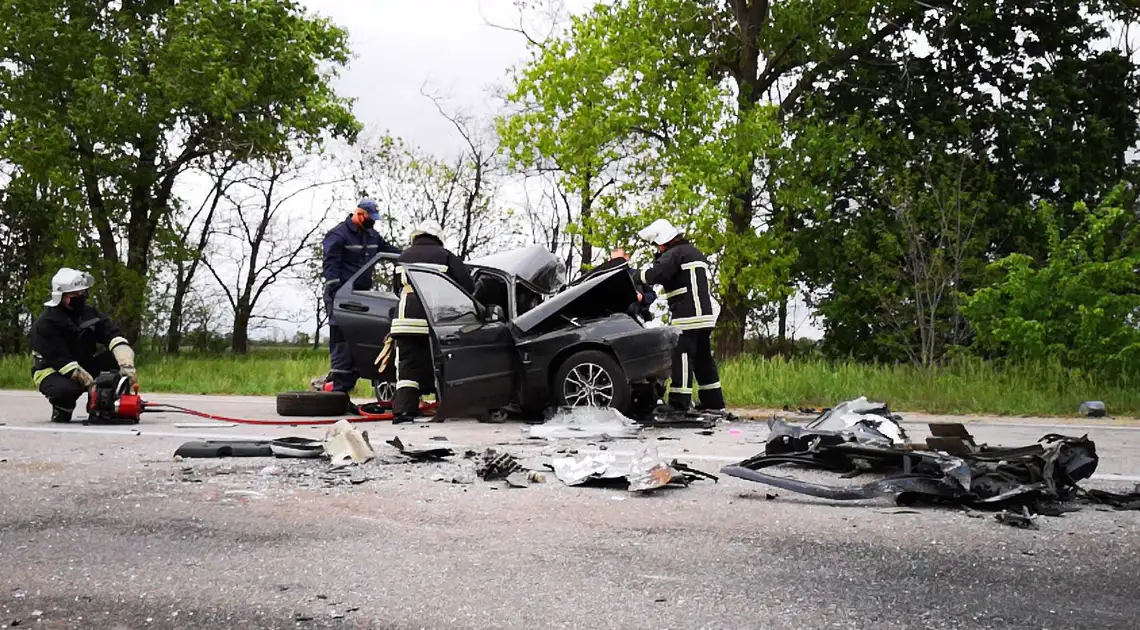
(445, 303)
(378, 280)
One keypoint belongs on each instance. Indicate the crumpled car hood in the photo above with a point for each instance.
(597, 296)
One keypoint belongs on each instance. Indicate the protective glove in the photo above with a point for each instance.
(80, 375)
(385, 354)
(126, 359)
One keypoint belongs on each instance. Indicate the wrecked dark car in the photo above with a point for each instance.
(523, 341)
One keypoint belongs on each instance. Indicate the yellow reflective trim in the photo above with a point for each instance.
(674, 293)
(117, 341)
(407, 384)
(40, 375)
(69, 368)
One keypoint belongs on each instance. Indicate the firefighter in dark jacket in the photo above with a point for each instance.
(415, 374)
(683, 272)
(348, 247)
(645, 294)
(65, 340)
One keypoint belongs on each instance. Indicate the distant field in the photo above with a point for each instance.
(968, 387)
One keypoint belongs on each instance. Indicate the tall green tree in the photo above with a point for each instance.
(1035, 99)
(32, 242)
(125, 96)
(683, 103)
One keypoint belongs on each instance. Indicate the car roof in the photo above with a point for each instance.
(532, 265)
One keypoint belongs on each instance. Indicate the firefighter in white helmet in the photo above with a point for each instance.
(415, 374)
(65, 342)
(684, 275)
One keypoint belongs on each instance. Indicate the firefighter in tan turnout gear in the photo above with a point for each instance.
(684, 275)
(415, 374)
(65, 339)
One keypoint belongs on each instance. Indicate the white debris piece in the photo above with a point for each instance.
(585, 422)
(870, 421)
(346, 444)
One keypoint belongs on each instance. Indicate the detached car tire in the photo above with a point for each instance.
(591, 368)
(309, 404)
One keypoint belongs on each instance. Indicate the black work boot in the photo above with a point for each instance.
(59, 414)
(403, 418)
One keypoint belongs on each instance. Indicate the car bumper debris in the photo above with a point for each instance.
(858, 438)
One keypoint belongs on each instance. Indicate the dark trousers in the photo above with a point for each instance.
(415, 373)
(693, 357)
(342, 370)
(62, 392)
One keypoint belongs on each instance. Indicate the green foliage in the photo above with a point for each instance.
(118, 99)
(1081, 308)
(965, 386)
(1001, 108)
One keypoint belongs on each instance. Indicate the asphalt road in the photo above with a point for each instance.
(101, 528)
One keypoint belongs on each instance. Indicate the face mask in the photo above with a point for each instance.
(368, 223)
(76, 304)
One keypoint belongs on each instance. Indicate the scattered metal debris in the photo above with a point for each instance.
(518, 480)
(1117, 500)
(686, 419)
(419, 452)
(869, 422)
(645, 471)
(298, 447)
(497, 465)
(1021, 520)
(584, 422)
(1038, 477)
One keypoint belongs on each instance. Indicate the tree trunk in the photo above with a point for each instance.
(174, 330)
(782, 332)
(587, 201)
(240, 342)
(734, 315)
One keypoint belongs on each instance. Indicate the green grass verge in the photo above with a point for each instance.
(967, 387)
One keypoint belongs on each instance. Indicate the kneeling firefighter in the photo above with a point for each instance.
(683, 272)
(65, 338)
(415, 373)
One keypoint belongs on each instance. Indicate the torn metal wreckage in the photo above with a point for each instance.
(858, 438)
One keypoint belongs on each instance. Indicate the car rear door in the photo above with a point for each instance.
(364, 316)
(475, 358)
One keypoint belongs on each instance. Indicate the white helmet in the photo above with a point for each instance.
(429, 227)
(660, 232)
(68, 280)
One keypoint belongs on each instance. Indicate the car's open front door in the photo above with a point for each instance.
(475, 355)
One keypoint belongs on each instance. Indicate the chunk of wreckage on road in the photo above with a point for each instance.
(860, 437)
(643, 472)
(609, 423)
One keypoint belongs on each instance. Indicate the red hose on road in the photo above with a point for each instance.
(363, 417)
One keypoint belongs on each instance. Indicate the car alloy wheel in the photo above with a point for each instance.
(385, 391)
(588, 385)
